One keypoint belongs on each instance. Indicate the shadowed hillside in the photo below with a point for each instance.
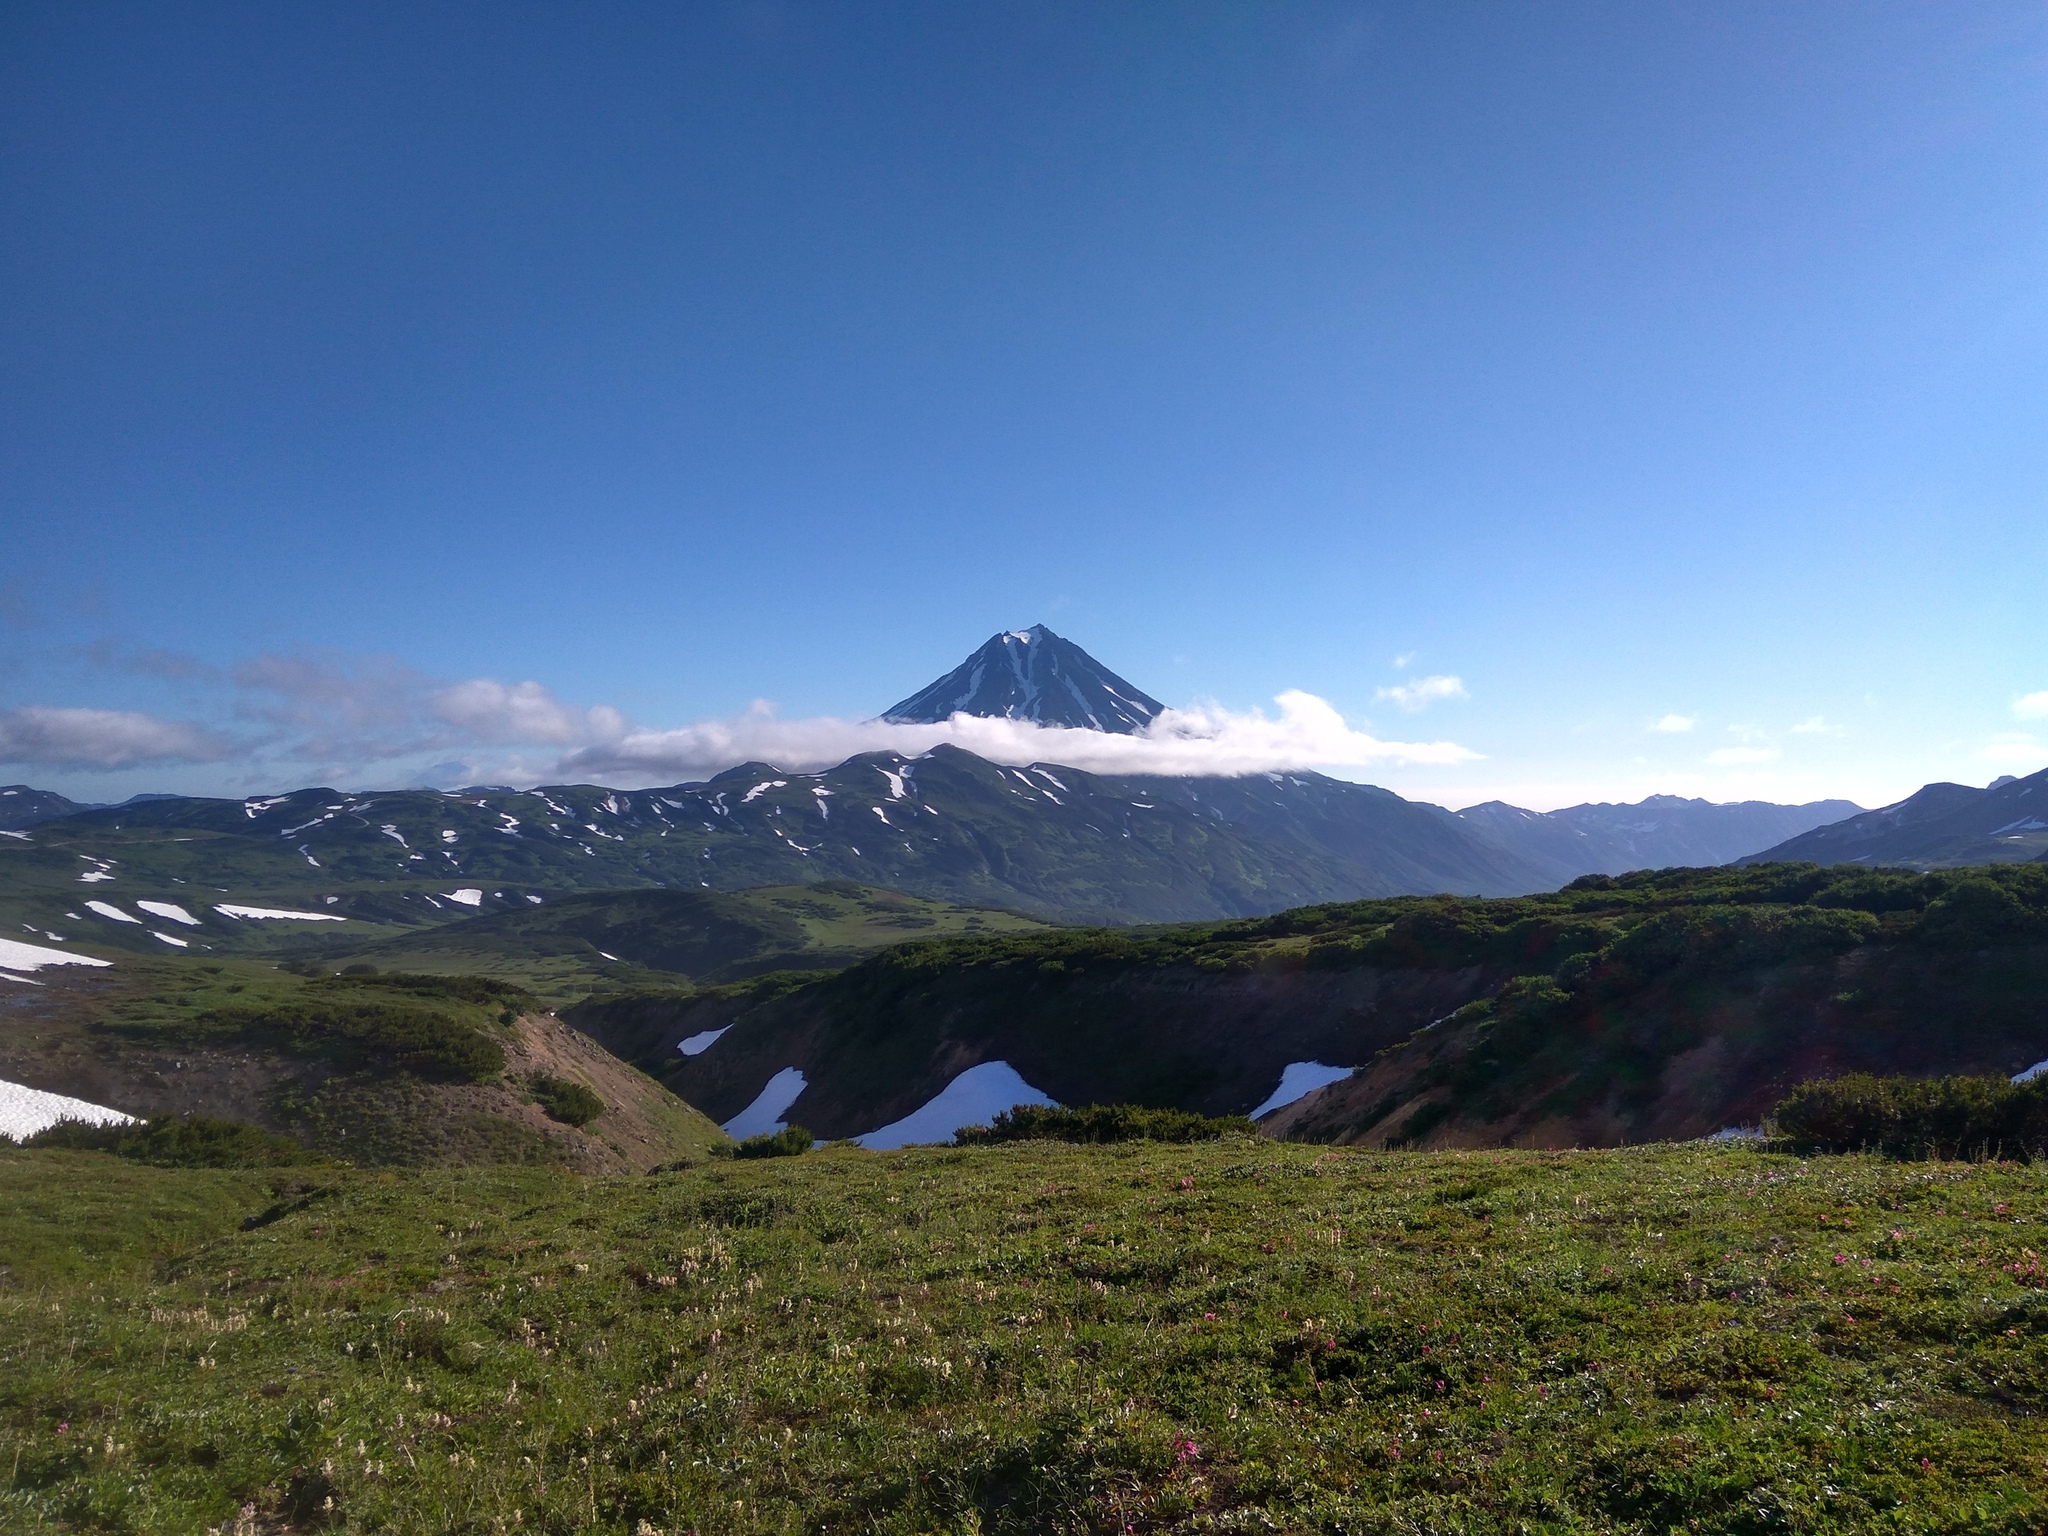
(1619, 1009)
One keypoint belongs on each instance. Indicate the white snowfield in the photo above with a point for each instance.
(109, 910)
(17, 956)
(24, 1111)
(171, 910)
(227, 909)
(469, 896)
(2038, 1069)
(170, 938)
(1299, 1079)
(975, 1097)
(699, 1043)
(763, 1117)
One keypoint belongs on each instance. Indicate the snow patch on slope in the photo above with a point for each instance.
(25, 1111)
(763, 1117)
(975, 1097)
(1299, 1079)
(17, 956)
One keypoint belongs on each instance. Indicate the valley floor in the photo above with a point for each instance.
(1238, 1336)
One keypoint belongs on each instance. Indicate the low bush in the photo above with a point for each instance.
(1961, 1117)
(1102, 1123)
(790, 1141)
(566, 1101)
(174, 1141)
(485, 991)
(421, 1040)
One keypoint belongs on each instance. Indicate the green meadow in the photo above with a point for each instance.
(1238, 1335)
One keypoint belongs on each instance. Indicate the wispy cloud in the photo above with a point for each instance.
(1736, 757)
(335, 708)
(1423, 692)
(1674, 724)
(1308, 733)
(1812, 725)
(100, 739)
(2032, 706)
(169, 666)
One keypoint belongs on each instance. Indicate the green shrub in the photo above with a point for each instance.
(1102, 1123)
(1969, 1117)
(172, 1141)
(421, 1040)
(566, 1101)
(482, 990)
(1978, 910)
(790, 1141)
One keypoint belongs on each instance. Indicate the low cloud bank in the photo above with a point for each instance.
(104, 739)
(1307, 734)
(323, 717)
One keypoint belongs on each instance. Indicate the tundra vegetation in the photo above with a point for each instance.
(1227, 1334)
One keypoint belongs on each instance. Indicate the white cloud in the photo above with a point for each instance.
(1424, 691)
(1813, 725)
(104, 739)
(2015, 750)
(2033, 706)
(1401, 661)
(1674, 724)
(1735, 757)
(488, 711)
(1307, 734)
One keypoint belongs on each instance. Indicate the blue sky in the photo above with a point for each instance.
(395, 394)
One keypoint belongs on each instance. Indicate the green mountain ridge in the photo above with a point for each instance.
(1653, 1006)
(1052, 842)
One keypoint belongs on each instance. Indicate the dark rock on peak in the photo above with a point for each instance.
(1032, 674)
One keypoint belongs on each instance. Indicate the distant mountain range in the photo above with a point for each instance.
(1032, 674)
(22, 807)
(1053, 842)
(1942, 826)
(1050, 841)
(1662, 832)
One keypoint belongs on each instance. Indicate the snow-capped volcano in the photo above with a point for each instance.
(1032, 674)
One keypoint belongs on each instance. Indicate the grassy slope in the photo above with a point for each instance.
(558, 949)
(1237, 1336)
(1673, 1003)
(144, 1037)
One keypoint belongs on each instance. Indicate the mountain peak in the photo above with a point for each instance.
(1031, 674)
